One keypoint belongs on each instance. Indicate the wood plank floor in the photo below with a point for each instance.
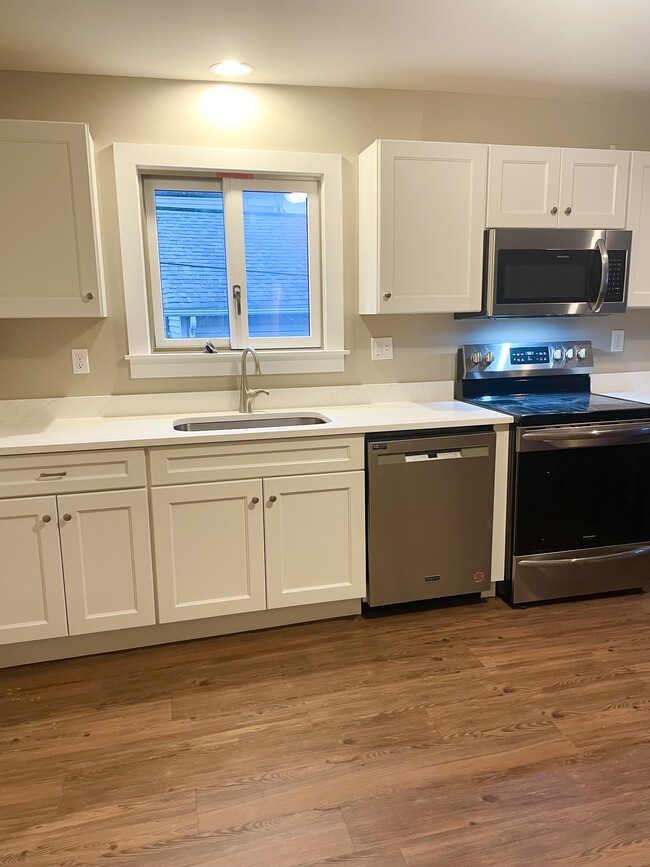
(470, 735)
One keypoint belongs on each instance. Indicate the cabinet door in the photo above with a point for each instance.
(523, 187)
(50, 262)
(315, 538)
(593, 189)
(107, 568)
(638, 220)
(209, 549)
(32, 601)
(422, 216)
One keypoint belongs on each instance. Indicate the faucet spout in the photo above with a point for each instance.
(247, 395)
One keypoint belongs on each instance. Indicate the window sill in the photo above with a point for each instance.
(228, 363)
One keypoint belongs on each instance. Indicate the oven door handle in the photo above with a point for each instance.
(596, 436)
(597, 306)
(601, 558)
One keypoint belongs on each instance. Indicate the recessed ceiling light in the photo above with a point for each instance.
(232, 69)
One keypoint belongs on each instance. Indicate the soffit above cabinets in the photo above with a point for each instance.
(540, 48)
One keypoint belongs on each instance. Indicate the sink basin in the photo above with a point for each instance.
(245, 422)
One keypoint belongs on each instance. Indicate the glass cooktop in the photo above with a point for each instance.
(563, 407)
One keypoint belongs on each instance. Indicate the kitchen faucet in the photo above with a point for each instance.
(247, 395)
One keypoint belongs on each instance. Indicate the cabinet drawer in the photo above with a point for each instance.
(72, 471)
(227, 461)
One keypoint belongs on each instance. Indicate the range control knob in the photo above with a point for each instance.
(475, 358)
(582, 352)
(569, 355)
(488, 358)
(558, 354)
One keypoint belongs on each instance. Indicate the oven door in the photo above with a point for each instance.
(556, 272)
(581, 519)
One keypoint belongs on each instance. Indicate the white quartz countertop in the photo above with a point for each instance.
(37, 434)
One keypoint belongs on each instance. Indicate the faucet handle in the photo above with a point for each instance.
(260, 391)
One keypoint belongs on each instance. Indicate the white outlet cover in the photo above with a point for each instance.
(80, 362)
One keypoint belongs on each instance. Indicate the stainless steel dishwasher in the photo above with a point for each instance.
(430, 500)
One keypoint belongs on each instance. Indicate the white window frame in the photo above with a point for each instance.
(132, 161)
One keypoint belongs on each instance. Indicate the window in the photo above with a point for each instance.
(243, 248)
(236, 261)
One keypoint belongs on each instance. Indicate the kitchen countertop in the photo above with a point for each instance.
(36, 434)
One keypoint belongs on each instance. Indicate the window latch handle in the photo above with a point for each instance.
(236, 294)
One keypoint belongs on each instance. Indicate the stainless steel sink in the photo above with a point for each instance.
(238, 422)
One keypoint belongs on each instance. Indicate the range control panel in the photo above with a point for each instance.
(478, 360)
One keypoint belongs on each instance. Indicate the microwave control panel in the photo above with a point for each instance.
(616, 281)
(480, 360)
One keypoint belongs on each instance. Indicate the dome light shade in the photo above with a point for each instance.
(232, 69)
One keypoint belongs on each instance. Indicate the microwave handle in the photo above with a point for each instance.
(604, 277)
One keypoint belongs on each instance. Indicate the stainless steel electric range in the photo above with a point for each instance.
(579, 484)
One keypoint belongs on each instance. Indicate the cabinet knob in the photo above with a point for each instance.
(567, 211)
(273, 499)
(90, 296)
(387, 296)
(67, 517)
(255, 500)
(554, 211)
(46, 519)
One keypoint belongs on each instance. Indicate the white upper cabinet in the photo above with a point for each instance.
(523, 185)
(421, 222)
(532, 187)
(50, 259)
(638, 220)
(593, 189)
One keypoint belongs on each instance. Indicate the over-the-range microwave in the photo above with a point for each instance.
(554, 272)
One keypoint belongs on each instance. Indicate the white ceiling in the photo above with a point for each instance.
(594, 49)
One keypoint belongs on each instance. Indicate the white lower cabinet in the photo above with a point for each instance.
(230, 547)
(315, 538)
(209, 549)
(32, 601)
(74, 564)
(107, 565)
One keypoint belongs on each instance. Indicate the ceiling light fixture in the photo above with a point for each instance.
(232, 69)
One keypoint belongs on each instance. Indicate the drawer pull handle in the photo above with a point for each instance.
(46, 519)
(67, 517)
(58, 475)
(272, 499)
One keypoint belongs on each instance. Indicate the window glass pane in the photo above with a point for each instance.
(191, 249)
(277, 269)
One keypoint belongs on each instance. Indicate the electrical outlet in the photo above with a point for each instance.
(80, 361)
(381, 348)
(618, 341)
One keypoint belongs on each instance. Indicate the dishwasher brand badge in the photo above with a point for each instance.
(432, 577)
(479, 577)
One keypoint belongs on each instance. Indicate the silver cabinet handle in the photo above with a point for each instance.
(236, 294)
(387, 296)
(567, 211)
(554, 211)
(255, 500)
(46, 519)
(67, 517)
(604, 277)
(90, 296)
(273, 499)
(58, 475)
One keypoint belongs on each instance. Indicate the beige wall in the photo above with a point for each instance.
(34, 354)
